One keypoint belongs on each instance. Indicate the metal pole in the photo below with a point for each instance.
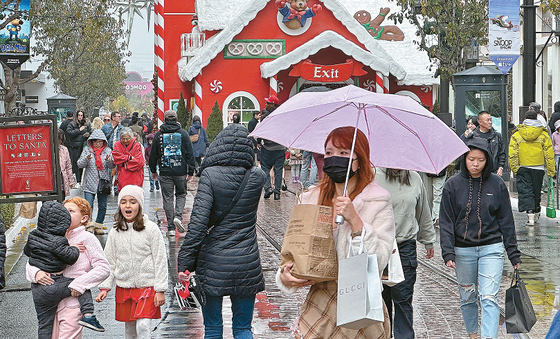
(529, 51)
(339, 218)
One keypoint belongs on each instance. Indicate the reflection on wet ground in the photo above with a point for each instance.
(436, 301)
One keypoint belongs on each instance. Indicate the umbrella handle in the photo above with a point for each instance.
(339, 220)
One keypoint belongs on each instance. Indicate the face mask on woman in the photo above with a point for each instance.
(336, 167)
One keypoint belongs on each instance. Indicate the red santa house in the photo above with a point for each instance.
(237, 52)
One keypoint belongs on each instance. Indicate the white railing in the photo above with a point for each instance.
(191, 42)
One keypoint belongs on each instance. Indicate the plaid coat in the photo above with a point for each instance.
(318, 313)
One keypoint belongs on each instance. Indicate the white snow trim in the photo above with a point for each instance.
(378, 59)
(216, 43)
(215, 15)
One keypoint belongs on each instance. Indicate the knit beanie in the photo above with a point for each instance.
(134, 191)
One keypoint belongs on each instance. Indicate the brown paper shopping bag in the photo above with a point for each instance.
(309, 243)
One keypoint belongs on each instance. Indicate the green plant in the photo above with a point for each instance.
(215, 122)
(183, 114)
(7, 213)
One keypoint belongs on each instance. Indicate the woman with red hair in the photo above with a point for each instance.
(367, 212)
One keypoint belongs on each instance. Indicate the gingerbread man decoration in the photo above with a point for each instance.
(374, 28)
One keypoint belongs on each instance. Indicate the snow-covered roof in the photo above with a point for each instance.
(378, 59)
(215, 44)
(231, 16)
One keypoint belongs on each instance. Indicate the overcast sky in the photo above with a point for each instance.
(142, 47)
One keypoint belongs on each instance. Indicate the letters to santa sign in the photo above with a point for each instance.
(327, 73)
(26, 159)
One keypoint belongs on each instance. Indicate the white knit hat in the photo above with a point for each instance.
(134, 191)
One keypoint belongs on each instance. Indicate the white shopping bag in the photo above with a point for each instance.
(393, 273)
(359, 302)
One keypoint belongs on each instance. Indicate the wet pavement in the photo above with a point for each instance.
(436, 300)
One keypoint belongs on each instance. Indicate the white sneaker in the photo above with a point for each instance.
(170, 233)
(179, 224)
(531, 219)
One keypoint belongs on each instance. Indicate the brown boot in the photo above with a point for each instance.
(98, 229)
(90, 227)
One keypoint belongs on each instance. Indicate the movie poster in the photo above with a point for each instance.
(26, 159)
(503, 33)
(14, 38)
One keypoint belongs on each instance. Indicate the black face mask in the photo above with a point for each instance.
(336, 167)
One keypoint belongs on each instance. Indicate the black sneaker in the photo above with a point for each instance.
(91, 323)
(268, 193)
(276, 196)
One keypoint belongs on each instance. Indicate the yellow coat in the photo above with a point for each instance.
(531, 146)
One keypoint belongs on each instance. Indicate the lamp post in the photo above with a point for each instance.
(529, 50)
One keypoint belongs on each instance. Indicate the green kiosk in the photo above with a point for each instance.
(61, 104)
(482, 88)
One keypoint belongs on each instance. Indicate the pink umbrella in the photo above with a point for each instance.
(402, 134)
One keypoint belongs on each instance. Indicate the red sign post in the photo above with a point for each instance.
(26, 159)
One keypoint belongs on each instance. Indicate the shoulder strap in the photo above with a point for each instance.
(235, 199)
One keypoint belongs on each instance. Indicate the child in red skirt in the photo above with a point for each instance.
(140, 272)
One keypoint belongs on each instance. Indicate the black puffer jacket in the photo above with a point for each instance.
(2, 254)
(227, 257)
(47, 247)
(76, 138)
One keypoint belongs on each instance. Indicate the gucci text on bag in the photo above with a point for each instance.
(353, 288)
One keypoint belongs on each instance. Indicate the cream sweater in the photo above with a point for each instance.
(137, 259)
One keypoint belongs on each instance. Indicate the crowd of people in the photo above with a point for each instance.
(382, 207)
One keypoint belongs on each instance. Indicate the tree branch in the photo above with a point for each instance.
(35, 74)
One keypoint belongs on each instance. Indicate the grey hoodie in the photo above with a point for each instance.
(92, 174)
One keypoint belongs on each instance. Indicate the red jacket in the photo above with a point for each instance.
(130, 164)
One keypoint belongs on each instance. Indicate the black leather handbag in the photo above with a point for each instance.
(104, 186)
(520, 316)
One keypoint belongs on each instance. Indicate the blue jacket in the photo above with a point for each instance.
(202, 143)
(112, 137)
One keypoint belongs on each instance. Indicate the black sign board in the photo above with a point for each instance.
(32, 99)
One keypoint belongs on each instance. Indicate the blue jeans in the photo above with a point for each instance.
(242, 308)
(101, 205)
(152, 182)
(273, 159)
(479, 271)
(308, 177)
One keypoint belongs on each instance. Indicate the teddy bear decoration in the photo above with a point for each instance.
(296, 12)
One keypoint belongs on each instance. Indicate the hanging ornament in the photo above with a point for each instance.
(216, 86)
